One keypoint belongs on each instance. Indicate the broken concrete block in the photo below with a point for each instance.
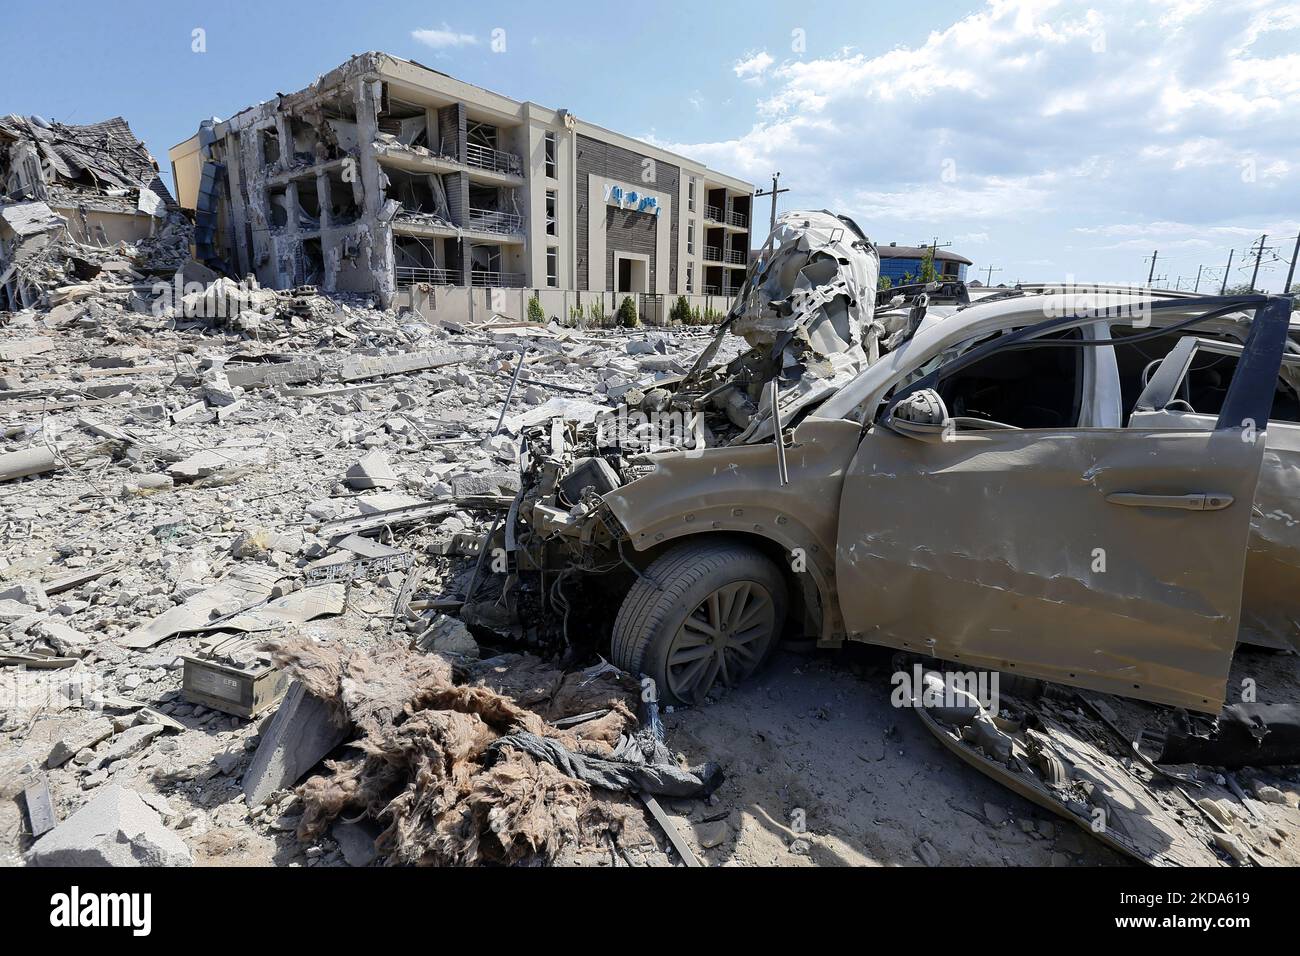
(300, 734)
(130, 741)
(208, 463)
(116, 828)
(1269, 794)
(11, 610)
(12, 351)
(357, 841)
(375, 504)
(1232, 846)
(101, 728)
(372, 471)
(712, 833)
(68, 641)
(26, 592)
(277, 373)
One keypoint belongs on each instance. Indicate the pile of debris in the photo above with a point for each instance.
(78, 203)
(187, 479)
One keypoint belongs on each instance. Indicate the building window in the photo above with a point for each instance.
(550, 156)
(690, 237)
(690, 194)
(553, 267)
(552, 204)
(690, 277)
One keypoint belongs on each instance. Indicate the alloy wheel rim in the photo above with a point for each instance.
(723, 639)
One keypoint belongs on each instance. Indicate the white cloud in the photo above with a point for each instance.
(1030, 121)
(752, 66)
(444, 38)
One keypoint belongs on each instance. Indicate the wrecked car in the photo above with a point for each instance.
(964, 484)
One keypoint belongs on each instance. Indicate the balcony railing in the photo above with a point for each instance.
(736, 257)
(712, 254)
(496, 160)
(738, 219)
(492, 220)
(497, 280)
(732, 291)
(408, 276)
(713, 213)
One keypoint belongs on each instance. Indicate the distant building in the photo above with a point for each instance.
(898, 262)
(385, 176)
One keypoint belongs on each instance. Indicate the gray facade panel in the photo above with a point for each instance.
(606, 161)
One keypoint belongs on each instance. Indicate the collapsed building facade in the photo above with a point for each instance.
(75, 200)
(385, 176)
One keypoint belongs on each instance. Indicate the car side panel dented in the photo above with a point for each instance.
(1013, 558)
(738, 490)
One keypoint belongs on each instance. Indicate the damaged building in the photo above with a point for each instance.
(77, 200)
(387, 177)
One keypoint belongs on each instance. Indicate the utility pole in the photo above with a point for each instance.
(935, 246)
(1227, 270)
(990, 270)
(1259, 254)
(1295, 254)
(1198, 279)
(773, 192)
(1152, 274)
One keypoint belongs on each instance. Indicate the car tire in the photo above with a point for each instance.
(704, 613)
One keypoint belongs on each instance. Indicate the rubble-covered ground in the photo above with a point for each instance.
(175, 452)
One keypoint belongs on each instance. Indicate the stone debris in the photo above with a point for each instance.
(117, 828)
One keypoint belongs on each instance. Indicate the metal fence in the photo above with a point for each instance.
(496, 160)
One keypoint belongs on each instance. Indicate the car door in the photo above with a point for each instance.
(1270, 603)
(1105, 558)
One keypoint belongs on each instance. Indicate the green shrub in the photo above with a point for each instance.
(627, 313)
(535, 311)
(680, 313)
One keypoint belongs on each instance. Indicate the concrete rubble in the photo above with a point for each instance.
(83, 210)
(229, 462)
(237, 481)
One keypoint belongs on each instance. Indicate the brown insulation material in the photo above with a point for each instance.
(420, 742)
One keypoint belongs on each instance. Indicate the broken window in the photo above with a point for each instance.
(343, 200)
(408, 123)
(1205, 385)
(1035, 387)
(552, 202)
(308, 203)
(553, 267)
(311, 265)
(277, 206)
(482, 134)
(550, 153)
(307, 147)
(270, 146)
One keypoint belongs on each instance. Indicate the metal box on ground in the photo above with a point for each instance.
(229, 674)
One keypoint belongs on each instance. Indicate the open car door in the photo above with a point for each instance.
(1270, 603)
(1105, 558)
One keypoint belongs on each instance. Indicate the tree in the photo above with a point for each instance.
(535, 311)
(680, 313)
(885, 283)
(928, 272)
(627, 313)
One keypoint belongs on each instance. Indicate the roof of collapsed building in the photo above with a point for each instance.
(92, 160)
(76, 201)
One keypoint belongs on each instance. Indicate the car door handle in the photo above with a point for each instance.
(1211, 501)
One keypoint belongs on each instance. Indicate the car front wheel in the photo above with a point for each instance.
(704, 614)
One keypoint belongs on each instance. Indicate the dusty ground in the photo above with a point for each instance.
(821, 770)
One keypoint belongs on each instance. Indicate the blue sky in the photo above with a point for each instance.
(1048, 139)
